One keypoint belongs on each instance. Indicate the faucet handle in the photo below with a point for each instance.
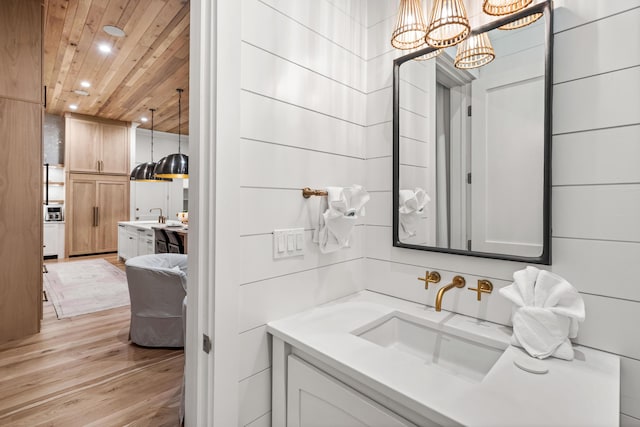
(484, 286)
(430, 277)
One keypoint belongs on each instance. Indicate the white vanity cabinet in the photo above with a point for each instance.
(373, 360)
(315, 399)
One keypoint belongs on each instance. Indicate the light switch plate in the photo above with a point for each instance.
(288, 242)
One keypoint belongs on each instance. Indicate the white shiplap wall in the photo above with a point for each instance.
(303, 110)
(596, 183)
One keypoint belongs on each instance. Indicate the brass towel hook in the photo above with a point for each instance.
(308, 192)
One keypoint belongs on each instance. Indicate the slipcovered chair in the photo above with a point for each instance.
(157, 287)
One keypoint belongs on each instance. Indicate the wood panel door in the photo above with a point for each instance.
(115, 150)
(20, 218)
(81, 216)
(21, 50)
(113, 206)
(82, 146)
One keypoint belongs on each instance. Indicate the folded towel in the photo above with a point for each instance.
(412, 204)
(546, 313)
(338, 214)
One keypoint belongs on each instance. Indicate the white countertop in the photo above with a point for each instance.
(150, 225)
(140, 224)
(582, 392)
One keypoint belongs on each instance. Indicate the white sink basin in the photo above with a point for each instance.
(463, 357)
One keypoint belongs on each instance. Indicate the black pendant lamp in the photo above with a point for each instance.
(174, 165)
(144, 172)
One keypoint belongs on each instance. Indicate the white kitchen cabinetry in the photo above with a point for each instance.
(134, 241)
(53, 239)
(315, 399)
(145, 242)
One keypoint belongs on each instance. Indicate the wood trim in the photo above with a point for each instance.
(95, 119)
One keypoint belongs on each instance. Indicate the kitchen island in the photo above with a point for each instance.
(175, 238)
(137, 238)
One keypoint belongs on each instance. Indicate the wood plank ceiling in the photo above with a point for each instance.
(143, 70)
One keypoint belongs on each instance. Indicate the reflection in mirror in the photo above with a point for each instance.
(471, 148)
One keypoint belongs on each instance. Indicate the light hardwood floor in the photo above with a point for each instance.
(82, 371)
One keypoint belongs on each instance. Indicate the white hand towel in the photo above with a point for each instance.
(411, 210)
(546, 313)
(338, 214)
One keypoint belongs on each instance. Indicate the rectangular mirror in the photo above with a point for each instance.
(472, 146)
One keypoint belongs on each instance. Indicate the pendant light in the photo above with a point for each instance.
(522, 22)
(474, 52)
(448, 24)
(504, 7)
(144, 172)
(429, 55)
(410, 27)
(175, 165)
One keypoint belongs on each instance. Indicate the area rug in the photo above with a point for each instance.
(81, 287)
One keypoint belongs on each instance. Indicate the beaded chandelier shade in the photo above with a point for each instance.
(522, 22)
(474, 52)
(504, 7)
(429, 55)
(410, 26)
(449, 24)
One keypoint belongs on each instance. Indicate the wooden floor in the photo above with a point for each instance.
(82, 371)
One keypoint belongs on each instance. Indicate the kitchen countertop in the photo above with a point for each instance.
(151, 225)
(585, 391)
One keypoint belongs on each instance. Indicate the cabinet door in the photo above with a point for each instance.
(315, 399)
(50, 240)
(81, 216)
(113, 206)
(145, 242)
(122, 241)
(115, 149)
(82, 145)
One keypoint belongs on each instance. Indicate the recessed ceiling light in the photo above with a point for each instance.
(81, 92)
(104, 48)
(85, 84)
(113, 31)
(144, 119)
(73, 106)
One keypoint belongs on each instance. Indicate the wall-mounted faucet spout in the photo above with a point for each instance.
(458, 282)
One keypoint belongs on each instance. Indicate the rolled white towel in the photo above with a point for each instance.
(546, 313)
(411, 208)
(338, 214)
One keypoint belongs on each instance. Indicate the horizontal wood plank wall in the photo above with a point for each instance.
(303, 105)
(596, 184)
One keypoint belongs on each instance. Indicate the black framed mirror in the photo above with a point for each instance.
(472, 147)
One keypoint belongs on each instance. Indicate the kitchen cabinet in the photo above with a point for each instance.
(95, 205)
(53, 239)
(134, 241)
(95, 145)
(315, 399)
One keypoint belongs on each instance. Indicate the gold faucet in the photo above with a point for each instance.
(458, 282)
(161, 219)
